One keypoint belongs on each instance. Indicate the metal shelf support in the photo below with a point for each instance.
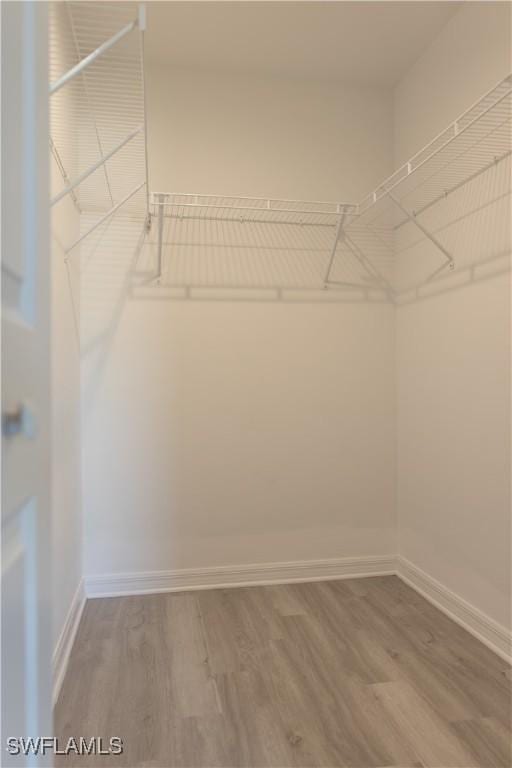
(429, 235)
(339, 230)
(161, 203)
(101, 161)
(104, 218)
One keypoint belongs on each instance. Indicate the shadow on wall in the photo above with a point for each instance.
(472, 224)
(218, 260)
(226, 260)
(108, 259)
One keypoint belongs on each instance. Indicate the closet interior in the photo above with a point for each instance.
(282, 291)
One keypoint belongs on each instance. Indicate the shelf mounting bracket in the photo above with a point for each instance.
(103, 159)
(106, 216)
(440, 247)
(339, 231)
(367, 265)
(161, 204)
(386, 287)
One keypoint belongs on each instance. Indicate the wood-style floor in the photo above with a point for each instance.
(345, 673)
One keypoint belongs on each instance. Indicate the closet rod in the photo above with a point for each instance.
(104, 218)
(94, 167)
(70, 74)
(348, 284)
(236, 220)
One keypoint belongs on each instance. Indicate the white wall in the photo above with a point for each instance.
(238, 433)
(250, 135)
(65, 344)
(453, 353)
(230, 432)
(66, 464)
(468, 57)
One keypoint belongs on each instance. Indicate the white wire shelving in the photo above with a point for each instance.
(97, 109)
(249, 242)
(460, 180)
(445, 209)
(226, 242)
(419, 223)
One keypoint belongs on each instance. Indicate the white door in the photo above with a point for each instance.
(25, 546)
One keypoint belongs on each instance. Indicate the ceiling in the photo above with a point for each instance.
(367, 43)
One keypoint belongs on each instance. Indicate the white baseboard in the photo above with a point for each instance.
(147, 582)
(67, 638)
(493, 635)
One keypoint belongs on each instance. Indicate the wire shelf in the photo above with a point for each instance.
(225, 253)
(479, 137)
(97, 117)
(404, 234)
(419, 218)
(448, 207)
(200, 207)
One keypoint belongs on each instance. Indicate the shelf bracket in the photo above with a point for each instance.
(161, 204)
(369, 268)
(94, 167)
(104, 218)
(372, 271)
(339, 230)
(60, 165)
(414, 220)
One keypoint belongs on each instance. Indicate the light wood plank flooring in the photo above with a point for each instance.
(359, 672)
